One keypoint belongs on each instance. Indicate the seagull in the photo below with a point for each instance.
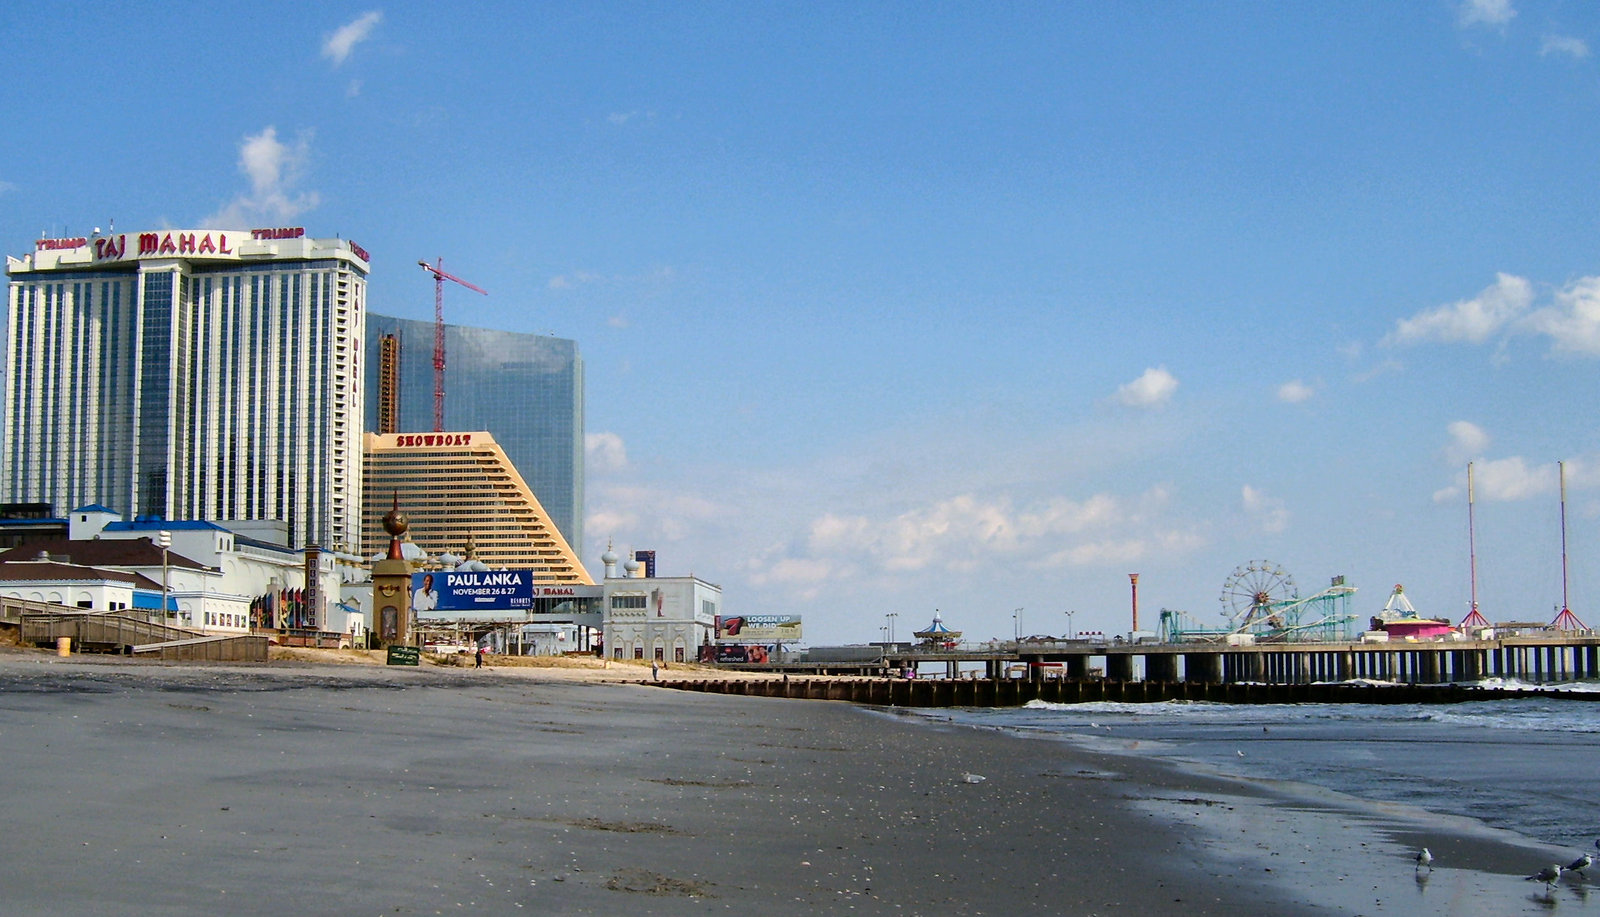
(1549, 875)
(1579, 865)
(1425, 858)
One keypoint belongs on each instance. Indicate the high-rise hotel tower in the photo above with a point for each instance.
(190, 374)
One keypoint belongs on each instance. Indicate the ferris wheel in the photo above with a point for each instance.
(1254, 592)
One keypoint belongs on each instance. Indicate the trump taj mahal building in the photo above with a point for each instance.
(190, 374)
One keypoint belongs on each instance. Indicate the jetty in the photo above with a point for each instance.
(1074, 671)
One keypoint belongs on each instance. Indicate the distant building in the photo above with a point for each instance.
(217, 580)
(666, 619)
(463, 496)
(524, 389)
(189, 374)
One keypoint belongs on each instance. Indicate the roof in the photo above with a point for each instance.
(169, 525)
(96, 508)
(49, 571)
(104, 552)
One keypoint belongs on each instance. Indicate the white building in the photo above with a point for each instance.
(666, 619)
(212, 576)
(189, 374)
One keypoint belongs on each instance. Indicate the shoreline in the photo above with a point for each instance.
(188, 788)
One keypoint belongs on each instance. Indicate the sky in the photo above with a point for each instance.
(896, 308)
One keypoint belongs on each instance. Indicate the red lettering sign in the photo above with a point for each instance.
(287, 232)
(360, 253)
(52, 245)
(111, 247)
(433, 439)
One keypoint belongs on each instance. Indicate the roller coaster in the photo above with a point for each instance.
(1260, 599)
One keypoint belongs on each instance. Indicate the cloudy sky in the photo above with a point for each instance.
(895, 307)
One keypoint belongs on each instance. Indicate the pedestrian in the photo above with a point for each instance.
(655, 671)
(480, 657)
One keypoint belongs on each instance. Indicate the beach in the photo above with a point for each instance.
(297, 787)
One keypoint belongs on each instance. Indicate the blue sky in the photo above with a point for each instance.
(892, 307)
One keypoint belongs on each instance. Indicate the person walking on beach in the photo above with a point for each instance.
(655, 671)
(480, 657)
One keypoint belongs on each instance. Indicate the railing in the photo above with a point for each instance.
(98, 628)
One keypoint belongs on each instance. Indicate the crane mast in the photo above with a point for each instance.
(440, 275)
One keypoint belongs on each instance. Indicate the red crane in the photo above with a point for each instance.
(440, 275)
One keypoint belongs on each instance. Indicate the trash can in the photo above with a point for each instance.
(63, 646)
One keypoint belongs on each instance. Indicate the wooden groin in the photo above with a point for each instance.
(1015, 692)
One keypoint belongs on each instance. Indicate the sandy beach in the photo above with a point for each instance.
(355, 789)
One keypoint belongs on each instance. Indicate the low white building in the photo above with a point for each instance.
(666, 619)
(216, 580)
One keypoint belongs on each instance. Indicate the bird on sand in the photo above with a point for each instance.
(1549, 875)
(1579, 865)
(1425, 858)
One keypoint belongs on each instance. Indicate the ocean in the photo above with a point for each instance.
(1529, 766)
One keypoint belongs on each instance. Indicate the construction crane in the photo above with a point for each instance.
(440, 275)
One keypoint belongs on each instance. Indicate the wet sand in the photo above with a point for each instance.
(149, 789)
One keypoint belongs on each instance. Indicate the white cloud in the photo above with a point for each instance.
(1573, 323)
(574, 279)
(6, 186)
(1511, 479)
(618, 322)
(966, 533)
(1486, 12)
(1567, 45)
(274, 170)
(1153, 389)
(1268, 512)
(606, 451)
(1294, 392)
(1467, 442)
(338, 45)
(1470, 320)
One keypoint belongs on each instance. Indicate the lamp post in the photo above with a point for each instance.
(1016, 616)
(1071, 634)
(164, 539)
(890, 618)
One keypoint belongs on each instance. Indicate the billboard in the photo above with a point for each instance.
(758, 628)
(726, 653)
(447, 590)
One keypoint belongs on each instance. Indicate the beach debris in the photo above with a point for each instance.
(1549, 875)
(1241, 753)
(973, 778)
(1579, 865)
(1425, 858)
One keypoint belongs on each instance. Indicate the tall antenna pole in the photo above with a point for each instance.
(440, 275)
(1561, 471)
(1472, 547)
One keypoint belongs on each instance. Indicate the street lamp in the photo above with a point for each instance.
(1017, 617)
(1071, 634)
(890, 618)
(164, 539)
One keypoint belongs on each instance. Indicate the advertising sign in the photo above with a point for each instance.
(759, 628)
(447, 590)
(726, 653)
(404, 655)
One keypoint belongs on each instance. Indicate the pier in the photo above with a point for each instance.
(1068, 671)
(1014, 692)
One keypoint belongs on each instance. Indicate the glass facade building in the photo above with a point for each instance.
(526, 390)
(189, 374)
